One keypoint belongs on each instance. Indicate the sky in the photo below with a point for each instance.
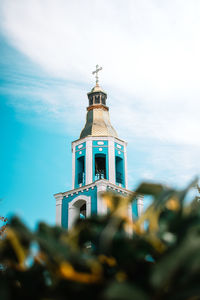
(149, 51)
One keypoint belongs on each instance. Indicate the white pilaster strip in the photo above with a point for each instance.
(101, 206)
(59, 209)
(111, 160)
(73, 165)
(73, 214)
(140, 204)
(88, 169)
(125, 167)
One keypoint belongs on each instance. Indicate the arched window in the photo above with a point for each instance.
(100, 166)
(81, 170)
(97, 99)
(103, 100)
(90, 100)
(119, 170)
(78, 208)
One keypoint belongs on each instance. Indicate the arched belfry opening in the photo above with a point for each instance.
(100, 166)
(79, 208)
(81, 170)
(119, 170)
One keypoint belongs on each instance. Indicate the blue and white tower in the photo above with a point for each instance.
(99, 164)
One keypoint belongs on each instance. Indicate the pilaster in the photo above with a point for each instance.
(59, 198)
(101, 206)
(111, 160)
(73, 166)
(88, 167)
(125, 167)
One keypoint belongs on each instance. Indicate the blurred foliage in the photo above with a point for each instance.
(109, 257)
(4, 221)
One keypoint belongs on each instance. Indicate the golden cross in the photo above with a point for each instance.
(96, 71)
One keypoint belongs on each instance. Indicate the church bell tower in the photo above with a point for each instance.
(99, 164)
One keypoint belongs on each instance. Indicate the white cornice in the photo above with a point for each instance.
(95, 138)
(92, 185)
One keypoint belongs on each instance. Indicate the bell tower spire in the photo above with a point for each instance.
(97, 119)
(99, 164)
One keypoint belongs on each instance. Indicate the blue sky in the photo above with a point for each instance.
(149, 51)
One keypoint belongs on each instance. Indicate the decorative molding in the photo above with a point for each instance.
(58, 197)
(96, 138)
(73, 165)
(89, 162)
(111, 160)
(125, 167)
(104, 107)
(96, 183)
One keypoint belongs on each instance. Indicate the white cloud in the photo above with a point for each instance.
(149, 51)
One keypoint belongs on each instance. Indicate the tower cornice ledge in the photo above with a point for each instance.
(97, 106)
(97, 183)
(96, 138)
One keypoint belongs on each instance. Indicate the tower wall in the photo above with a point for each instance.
(89, 148)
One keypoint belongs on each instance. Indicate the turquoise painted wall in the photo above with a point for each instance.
(65, 201)
(134, 210)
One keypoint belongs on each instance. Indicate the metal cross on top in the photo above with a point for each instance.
(96, 72)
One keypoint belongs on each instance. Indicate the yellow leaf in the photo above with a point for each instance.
(108, 260)
(121, 276)
(67, 271)
(20, 252)
(118, 205)
(173, 204)
(151, 215)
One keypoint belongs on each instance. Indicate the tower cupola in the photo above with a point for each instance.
(97, 98)
(97, 119)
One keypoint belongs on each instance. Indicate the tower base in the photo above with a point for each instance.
(87, 200)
